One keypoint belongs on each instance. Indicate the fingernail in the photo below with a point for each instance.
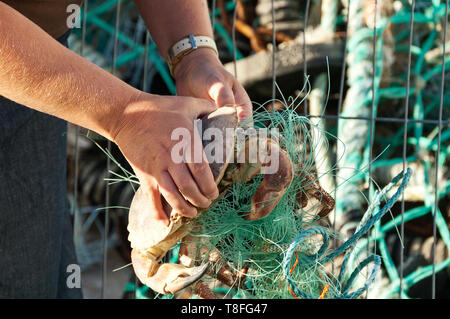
(191, 212)
(214, 195)
(207, 204)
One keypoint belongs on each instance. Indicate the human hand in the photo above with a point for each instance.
(201, 74)
(143, 133)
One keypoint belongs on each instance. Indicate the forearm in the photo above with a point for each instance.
(37, 71)
(170, 20)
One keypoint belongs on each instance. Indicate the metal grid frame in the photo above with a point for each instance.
(148, 53)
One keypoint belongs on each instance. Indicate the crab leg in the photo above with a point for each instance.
(192, 250)
(313, 190)
(203, 291)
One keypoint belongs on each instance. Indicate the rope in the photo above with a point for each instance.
(367, 224)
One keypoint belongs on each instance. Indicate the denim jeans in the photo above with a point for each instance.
(36, 243)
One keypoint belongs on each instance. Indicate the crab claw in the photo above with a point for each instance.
(185, 277)
(165, 278)
(272, 188)
(274, 183)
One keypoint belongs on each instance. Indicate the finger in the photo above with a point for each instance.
(170, 192)
(221, 93)
(243, 104)
(187, 186)
(200, 170)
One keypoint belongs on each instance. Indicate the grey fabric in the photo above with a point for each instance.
(36, 243)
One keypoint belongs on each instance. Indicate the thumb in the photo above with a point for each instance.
(202, 107)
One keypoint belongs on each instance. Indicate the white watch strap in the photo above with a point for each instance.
(191, 42)
(187, 45)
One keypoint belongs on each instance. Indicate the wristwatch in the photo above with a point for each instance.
(186, 46)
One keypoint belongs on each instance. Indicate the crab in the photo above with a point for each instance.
(151, 240)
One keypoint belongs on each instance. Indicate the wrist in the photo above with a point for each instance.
(201, 56)
(126, 111)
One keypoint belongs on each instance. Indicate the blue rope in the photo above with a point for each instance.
(377, 262)
(349, 243)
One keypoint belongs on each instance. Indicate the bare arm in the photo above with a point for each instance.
(169, 21)
(37, 71)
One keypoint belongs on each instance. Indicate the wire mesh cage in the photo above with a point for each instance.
(371, 73)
